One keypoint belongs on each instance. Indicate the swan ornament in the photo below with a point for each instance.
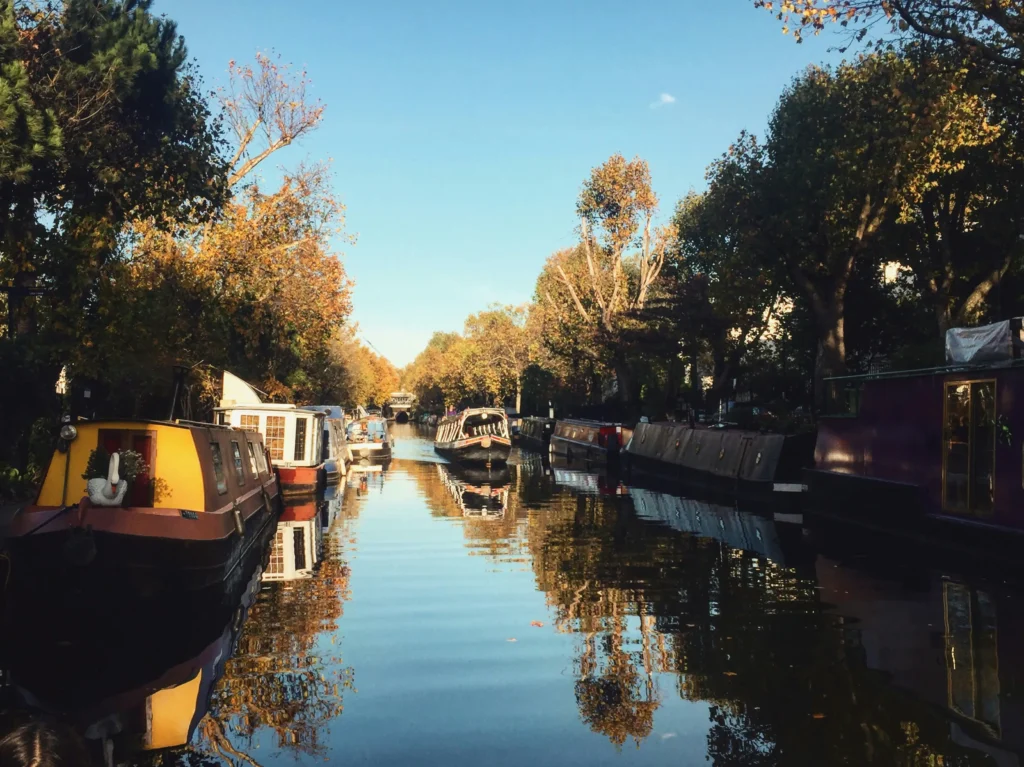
(109, 491)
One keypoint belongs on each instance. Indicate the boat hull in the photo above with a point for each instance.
(302, 480)
(139, 551)
(371, 452)
(476, 451)
(733, 463)
(581, 451)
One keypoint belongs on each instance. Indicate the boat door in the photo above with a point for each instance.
(969, 447)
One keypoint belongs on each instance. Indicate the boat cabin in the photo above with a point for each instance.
(294, 436)
(590, 440)
(535, 433)
(947, 442)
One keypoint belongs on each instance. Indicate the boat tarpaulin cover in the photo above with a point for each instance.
(997, 342)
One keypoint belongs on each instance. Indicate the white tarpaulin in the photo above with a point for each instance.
(987, 343)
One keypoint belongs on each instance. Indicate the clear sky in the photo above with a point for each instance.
(461, 130)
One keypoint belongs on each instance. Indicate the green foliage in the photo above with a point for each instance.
(131, 464)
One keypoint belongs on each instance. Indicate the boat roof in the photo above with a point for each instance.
(275, 406)
(178, 423)
(941, 370)
(589, 422)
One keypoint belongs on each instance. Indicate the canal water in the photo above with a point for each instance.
(541, 615)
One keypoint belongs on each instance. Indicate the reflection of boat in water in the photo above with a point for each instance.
(297, 544)
(587, 482)
(478, 493)
(737, 529)
(136, 677)
(950, 643)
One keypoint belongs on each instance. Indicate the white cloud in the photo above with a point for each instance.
(663, 100)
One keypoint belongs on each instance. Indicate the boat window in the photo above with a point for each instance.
(300, 438)
(275, 437)
(218, 468)
(276, 564)
(252, 459)
(972, 664)
(299, 542)
(250, 423)
(236, 454)
(222, 419)
(968, 459)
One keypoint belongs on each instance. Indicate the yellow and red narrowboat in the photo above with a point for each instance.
(200, 496)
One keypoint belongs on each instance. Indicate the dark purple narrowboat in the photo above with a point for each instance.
(931, 453)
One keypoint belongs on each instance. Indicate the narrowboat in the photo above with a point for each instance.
(369, 439)
(293, 436)
(591, 441)
(535, 433)
(935, 454)
(476, 435)
(335, 447)
(174, 504)
(737, 462)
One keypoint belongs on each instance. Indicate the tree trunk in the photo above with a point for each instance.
(519, 394)
(831, 356)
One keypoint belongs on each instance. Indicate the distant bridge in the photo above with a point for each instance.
(402, 402)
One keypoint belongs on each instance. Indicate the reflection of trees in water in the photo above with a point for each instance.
(785, 682)
(278, 678)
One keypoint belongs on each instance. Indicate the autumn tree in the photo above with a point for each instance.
(503, 334)
(839, 162)
(990, 30)
(102, 121)
(623, 254)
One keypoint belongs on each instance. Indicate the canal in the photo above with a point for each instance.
(546, 615)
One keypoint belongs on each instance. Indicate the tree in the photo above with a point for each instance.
(840, 162)
(993, 31)
(616, 208)
(115, 130)
(503, 334)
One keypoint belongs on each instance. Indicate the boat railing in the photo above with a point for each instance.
(958, 367)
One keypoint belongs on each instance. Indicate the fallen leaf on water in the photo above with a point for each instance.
(538, 624)
(818, 716)
(511, 639)
(730, 673)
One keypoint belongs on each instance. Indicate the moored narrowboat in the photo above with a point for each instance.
(335, 448)
(293, 436)
(935, 453)
(476, 435)
(176, 504)
(590, 441)
(369, 439)
(741, 463)
(535, 433)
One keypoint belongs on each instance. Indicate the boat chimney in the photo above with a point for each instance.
(180, 371)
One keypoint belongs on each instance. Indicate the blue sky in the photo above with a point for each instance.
(461, 131)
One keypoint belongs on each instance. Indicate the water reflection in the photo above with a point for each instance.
(590, 621)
